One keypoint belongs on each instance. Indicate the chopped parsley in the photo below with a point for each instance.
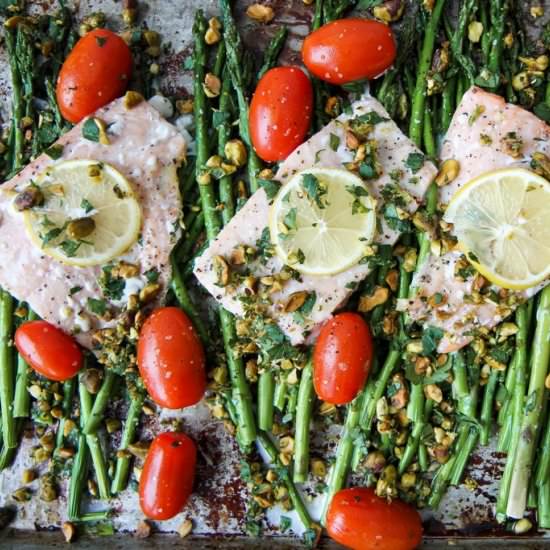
(356, 191)
(290, 219)
(372, 118)
(334, 142)
(70, 247)
(414, 162)
(393, 193)
(50, 235)
(314, 189)
(86, 205)
(152, 275)
(55, 151)
(271, 187)
(112, 287)
(90, 130)
(394, 221)
(74, 290)
(476, 113)
(306, 308)
(98, 307)
(430, 339)
(285, 524)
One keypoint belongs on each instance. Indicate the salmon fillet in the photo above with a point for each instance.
(485, 134)
(251, 222)
(147, 150)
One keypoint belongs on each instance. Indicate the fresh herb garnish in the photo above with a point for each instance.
(99, 307)
(430, 339)
(414, 162)
(55, 151)
(51, 235)
(86, 205)
(70, 247)
(152, 275)
(271, 187)
(394, 221)
(90, 130)
(314, 189)
(356, 191)
(73, 290)
(290, 219)
(334, 142)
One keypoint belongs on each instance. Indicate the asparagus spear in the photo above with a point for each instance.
(295, 497)
(273, 51)
(304, 410)
(339, 471)
(68, 394)
(120, 479)
(7, 371)
(94, 419)
(21, 400)
(523, 317)
(241, 390)
(419, 96)
(540, 360)
(93, 444)
(77, 481)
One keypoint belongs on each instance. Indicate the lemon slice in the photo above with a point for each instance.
(501, 222)
(322, 221)
(89, 214)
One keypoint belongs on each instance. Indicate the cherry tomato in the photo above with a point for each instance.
(358, 519)
(280, 112)
(96, 71)
(349, 49)
(341, 358)
(168, 474)
(48, 350)
(171, 359)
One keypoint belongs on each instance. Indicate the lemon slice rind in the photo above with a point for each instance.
(499, 221)
(332, 232)
(114, 208)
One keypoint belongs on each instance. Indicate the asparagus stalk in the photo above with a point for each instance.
(498, 16)
(185, 303)
(68, 394)
(194, 232)
(339, 471)
(457, 40)
(535, 396)
(420, 91)
(235, 66)
(486, 415)
(266, 392)
(77, 481)
(21, 400)
(273, 51)
(241, 391)
(93, 444)
(523, 317)
(17, 102)
(122, 467)
(94, 419)
(7, 371)
(304, 411)
(296, 499)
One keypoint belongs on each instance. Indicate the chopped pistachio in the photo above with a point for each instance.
(221, 270)
(65, 452)
(475, 30)
(149, 292)
(131, 99)
(112, 425)
(448, 172)
(143, 529)
(185, 528)
(69, 531)
(536, 11)
(389, 11)
(260, 13)
(379, 296)
(91, 378)
(21, 495)
(184, 106)
(375, 462)
(48, 490)
(296, 301)
(139, 449)
(212, 85)
(235, 152)
(318, 468)
(433, 392)
(28, 476)
(30, 197)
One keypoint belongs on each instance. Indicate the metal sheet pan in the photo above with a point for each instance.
(465, 519)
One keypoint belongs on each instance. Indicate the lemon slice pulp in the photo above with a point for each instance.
(501, 222)
(322, 221)
(89, 214)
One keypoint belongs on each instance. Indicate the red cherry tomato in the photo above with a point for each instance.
(96, 71)
(341, 358)
(358, 519)
(171, 359)
(168, 474)
(349, 49)
(48, 350)
(280, 112)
